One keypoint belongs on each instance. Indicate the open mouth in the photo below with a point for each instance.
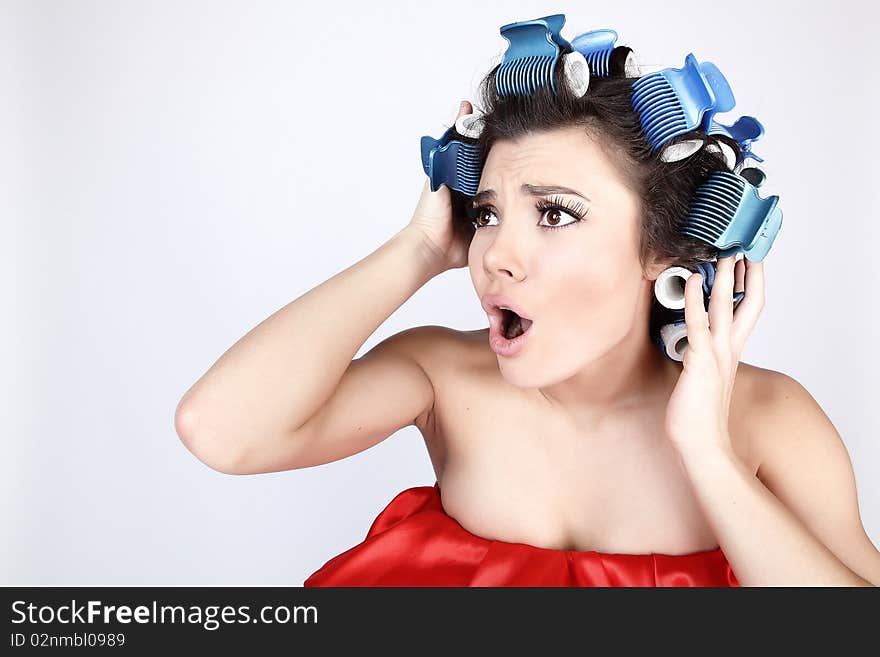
(512, 324)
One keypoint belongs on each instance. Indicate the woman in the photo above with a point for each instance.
(578, 453)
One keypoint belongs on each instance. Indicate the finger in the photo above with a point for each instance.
(749, 309)
(739, 276)
(721, 300)
(739, 285)
(695, 317)
(464, 108)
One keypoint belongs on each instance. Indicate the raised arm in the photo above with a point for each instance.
(244, 414)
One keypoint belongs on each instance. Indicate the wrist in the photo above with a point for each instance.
(432, 258)
(710, 452)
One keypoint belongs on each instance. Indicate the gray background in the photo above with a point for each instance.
(168, 177)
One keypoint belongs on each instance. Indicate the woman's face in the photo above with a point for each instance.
(581, 283)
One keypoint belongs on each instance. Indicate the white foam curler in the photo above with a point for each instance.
(669, 287)
(470, 125)
(577, 72)
(680, 150)
(646, 69)
(726, 150)
(675, 342)
(631, 68)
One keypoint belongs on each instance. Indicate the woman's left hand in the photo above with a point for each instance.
(697, 412)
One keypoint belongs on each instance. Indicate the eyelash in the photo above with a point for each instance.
(574, 210)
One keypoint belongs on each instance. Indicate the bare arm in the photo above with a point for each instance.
(796, 522)
(242, 414)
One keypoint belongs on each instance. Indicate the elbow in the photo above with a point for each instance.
(202, 442)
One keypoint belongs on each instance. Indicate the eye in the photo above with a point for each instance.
(553, 210)
(555, 214)
(478, 215)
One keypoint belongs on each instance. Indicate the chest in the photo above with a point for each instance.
(511, 471)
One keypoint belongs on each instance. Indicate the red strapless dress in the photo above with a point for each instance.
(413, 542)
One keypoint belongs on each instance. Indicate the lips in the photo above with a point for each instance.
(492, 304)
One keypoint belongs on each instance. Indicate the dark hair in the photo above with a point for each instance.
(607, 115)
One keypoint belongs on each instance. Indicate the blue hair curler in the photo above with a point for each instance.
(707, 271)
(727, 212)
(674, 101)
(669, 287)
(672, 336)
(596, 46)
(530, 59)
(744, 131)
(452, 162)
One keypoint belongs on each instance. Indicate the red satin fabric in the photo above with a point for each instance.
(413, 542)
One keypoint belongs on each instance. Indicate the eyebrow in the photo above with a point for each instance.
(533, 190)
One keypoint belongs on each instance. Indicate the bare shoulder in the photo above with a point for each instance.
(769, 407)
(770, 394)
(805, 463)
(443, 353)
(747, 402)
(439, 349)
(753, 384)
(434, 346)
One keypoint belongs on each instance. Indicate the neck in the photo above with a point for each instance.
(630, 375)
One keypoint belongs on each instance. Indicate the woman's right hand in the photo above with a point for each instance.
(433, 220)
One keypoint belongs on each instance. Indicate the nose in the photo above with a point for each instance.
(504, 256)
